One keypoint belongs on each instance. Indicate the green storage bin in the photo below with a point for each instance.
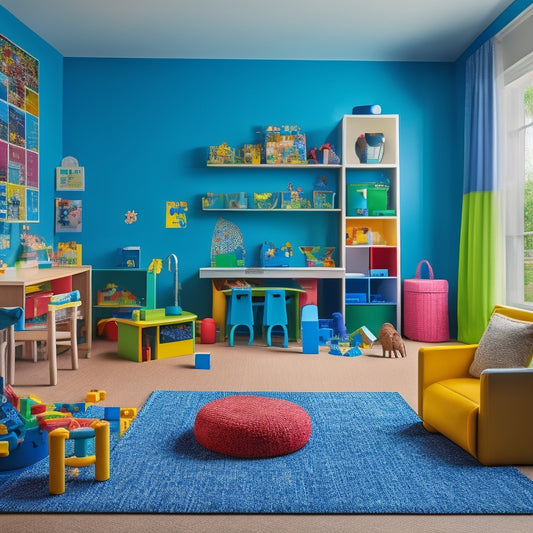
(376, 200)
(365, 201)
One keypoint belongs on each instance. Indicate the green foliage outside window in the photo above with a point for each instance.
(528, 197)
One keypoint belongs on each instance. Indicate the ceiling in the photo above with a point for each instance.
(374, 30)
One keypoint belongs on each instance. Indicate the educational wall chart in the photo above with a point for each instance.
(19, 134)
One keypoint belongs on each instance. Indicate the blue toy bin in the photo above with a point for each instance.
(33, 448)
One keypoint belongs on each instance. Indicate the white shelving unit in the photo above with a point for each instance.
(370, 300)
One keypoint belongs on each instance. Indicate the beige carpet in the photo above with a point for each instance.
(242, 368)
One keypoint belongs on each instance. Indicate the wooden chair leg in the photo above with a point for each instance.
(74, 337)
(51, 347)
(10, 360)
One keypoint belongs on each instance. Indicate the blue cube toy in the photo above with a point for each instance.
(202, 361)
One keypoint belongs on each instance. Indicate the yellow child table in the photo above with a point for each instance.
(148, 340)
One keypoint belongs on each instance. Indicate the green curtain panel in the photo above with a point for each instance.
(480, 265)
(481, 274)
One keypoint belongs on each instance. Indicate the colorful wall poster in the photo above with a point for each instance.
(32, 205)
(16, 202)
(19, 134)
(5, 235)
(3, 201)
(67, 215)
(176, 215)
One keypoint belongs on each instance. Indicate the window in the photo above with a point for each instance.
(517, 181)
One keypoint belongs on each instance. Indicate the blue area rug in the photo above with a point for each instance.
(368, 453)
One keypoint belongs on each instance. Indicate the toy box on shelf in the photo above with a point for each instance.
(285, 145)
(266, 200)
(318, 256)
(130, 257)
(276, 257)
(251, 154)
(214, 200)
(68, 253)
(236, 200)
(115, 296)
(323, 196)
(325, 155)
(293, 198)
(323, 199)
(369, 198)
(222, 154)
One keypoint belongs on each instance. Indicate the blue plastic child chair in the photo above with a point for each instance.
(240, 312)
(11, 319)
(275, 314)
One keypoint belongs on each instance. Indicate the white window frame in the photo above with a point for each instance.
(515, 79)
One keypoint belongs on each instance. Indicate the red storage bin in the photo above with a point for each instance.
(37, 304)
(425, 315)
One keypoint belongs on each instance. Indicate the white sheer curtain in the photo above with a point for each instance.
(514, 66)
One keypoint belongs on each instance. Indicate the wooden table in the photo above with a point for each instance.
(14, 282)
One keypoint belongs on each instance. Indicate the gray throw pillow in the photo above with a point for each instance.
(506, 343)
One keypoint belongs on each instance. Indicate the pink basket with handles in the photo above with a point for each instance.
(425, 311)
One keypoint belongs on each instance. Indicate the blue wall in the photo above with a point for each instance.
(142, 129)
(50, 125)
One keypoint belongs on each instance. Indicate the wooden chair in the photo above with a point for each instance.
(65, 335)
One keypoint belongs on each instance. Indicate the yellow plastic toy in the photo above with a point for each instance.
(99, 431)
(94, 396)
(127, 416)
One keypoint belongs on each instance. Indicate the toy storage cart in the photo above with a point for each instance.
(426, 307)
(148, 340)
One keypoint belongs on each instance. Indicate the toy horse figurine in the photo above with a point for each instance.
(391, 341)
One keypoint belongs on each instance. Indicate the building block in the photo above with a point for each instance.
(202, 361)
(127, 416)
(95, 396)
(112, 415)
(324, 335)
(310, 329)
(367, 338)
(153, 314)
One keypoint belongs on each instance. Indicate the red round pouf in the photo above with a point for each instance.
(252, 426)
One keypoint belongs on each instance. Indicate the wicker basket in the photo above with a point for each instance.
(426, 307)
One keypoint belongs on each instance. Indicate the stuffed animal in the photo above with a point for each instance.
(391, 341)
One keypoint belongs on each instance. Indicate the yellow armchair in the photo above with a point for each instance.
(491, 417)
